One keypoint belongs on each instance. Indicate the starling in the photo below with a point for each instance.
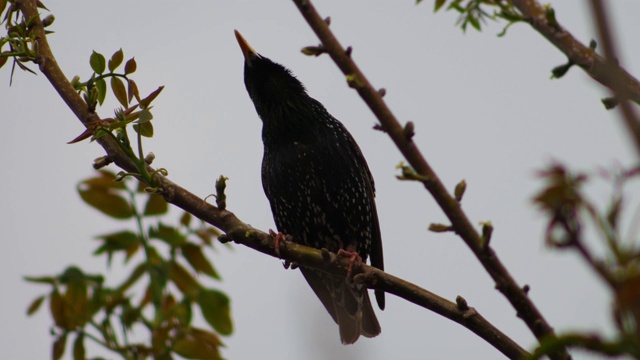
(319, 186)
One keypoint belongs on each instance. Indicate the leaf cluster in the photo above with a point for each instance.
(477, 12)
(20, 42)
(570, 213)
(82, 305)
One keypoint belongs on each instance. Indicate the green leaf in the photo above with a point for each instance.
(35, 305)
(195, 257)
(57, 308)
(438, 4)
(58, 347)
(79, 352)
(107, 202)
(216, 310)
(101, 85)
(126, 241)
(41, 279)
(116, 60)
(97, 62)
(117, 86)
(135, 275)
(187, 284)
(144, 129)
(198, 344)
(168, 234)
(132, 90)
(130, 67)
(185, 219)
(156, 205)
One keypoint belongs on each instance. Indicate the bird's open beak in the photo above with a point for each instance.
(247, 50)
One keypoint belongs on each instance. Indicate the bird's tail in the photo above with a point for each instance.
(347, 303)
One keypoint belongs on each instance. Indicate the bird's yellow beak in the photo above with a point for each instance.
(247, 50)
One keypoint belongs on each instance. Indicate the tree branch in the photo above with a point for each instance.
(583, 56)
(244, 234)
(461, 224)
(618, 75)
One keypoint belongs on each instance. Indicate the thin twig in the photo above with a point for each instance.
(463, 227)
(244, 234)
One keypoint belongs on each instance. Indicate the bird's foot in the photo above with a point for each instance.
(277, 238)
(352, 256)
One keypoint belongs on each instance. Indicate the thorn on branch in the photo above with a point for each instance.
(462, 303)
(487, 230)
(610, 102)
(348, 51)
(314, 50)
(458, 192)
(382, 92)
(526, 289)
(101, 162)
(440, 228)
(409, 130)
(327, 20)
(379, 127)
(593, 44)
(149, 158)
(560, 70)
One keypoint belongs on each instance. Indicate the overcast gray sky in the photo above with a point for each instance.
(484, 108)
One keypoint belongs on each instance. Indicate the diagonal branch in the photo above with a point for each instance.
(402, 138)
(244, 234)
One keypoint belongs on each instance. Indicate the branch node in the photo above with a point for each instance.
(379, 127)
(526, 289)
(462, 303)
(101, 162)
(382, 92)
(327, 256)
(328, 20)
(409, 131)
(348, 51)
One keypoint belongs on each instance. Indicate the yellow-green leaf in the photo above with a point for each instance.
(35, 305)
(196, 345)
(116, 60)
(195, 257)
(216, 310)
(168, 234)
(97, 62)
(156, 205)
(438, 4)
(101, 85)
(145, 129)
(117, 86)
(107, 202)
(185, 219)
(131, 66)
(187, 284)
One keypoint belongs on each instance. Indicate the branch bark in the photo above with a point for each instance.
(256, 239)
(480, 247)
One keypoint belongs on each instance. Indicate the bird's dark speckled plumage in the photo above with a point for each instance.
(319, 186)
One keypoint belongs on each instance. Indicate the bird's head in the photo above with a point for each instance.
(271, 86)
